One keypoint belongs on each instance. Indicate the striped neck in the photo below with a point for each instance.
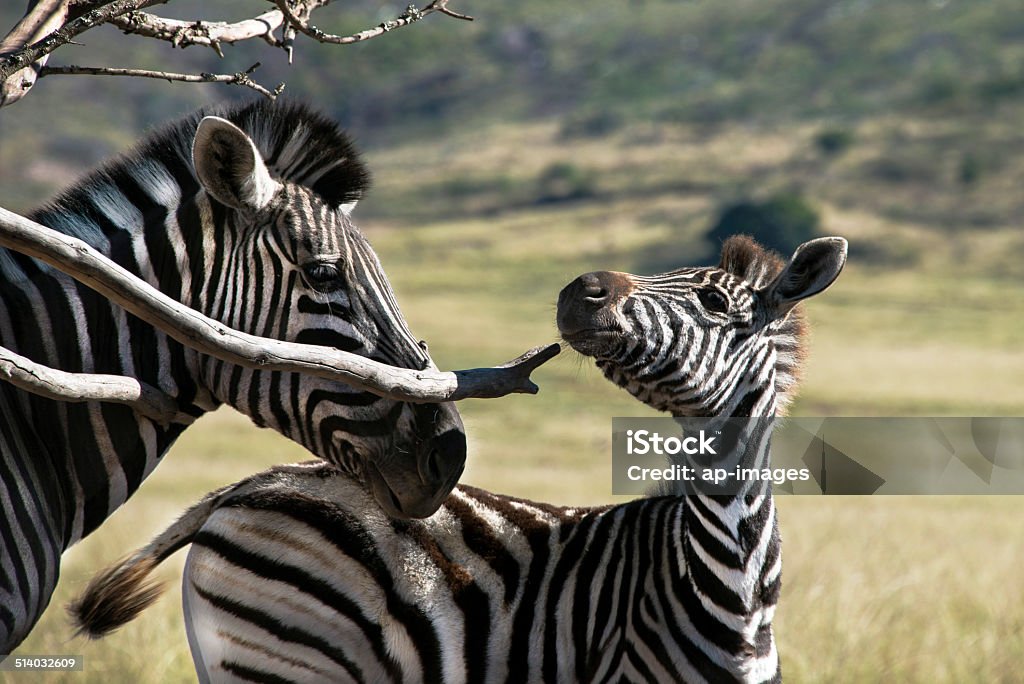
(730, 542)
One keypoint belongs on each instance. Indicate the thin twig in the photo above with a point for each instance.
(410, 15)
(442, 7)
(240, 78)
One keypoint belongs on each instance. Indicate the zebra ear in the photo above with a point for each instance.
(815, 265)
(230, 167)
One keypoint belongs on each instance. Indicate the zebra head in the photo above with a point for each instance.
(300, 270)
(703, 341)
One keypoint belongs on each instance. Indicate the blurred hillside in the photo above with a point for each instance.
(660, 63)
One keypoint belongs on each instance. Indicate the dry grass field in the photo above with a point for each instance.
(914, 589)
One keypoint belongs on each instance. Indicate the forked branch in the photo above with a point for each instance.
(51, 24)
(41, 19)
(207, 336)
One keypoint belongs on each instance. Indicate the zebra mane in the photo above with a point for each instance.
(298, 144)
(744, 257)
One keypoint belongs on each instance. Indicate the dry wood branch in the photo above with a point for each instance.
(51, 24)
(209, 33)
(240, 78)
(208, 336)
(76, 387)
(300, 20)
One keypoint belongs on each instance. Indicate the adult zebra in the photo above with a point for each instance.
(294, 576)
(243, 213)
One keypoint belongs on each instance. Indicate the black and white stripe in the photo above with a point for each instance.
(242, 213)
(294, 575)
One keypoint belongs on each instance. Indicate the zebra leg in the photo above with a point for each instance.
(31, 532)
(29, 570)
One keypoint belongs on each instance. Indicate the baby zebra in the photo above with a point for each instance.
(296, 575)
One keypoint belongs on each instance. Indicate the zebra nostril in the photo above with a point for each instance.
(432, 466)
(594, 289)
(595, 293)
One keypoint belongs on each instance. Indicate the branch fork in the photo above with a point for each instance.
(50, 24)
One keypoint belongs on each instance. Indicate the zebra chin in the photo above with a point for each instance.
(598, 344)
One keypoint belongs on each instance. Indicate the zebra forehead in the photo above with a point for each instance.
(743, 262)
(689, 279)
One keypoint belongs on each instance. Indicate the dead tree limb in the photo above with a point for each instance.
(25, 49)
(213, 34)
(75, 387)
(51, 24)
(207, 336)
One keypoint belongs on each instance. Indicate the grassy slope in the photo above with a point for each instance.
(914, 589)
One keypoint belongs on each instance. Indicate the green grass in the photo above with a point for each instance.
(876, 589)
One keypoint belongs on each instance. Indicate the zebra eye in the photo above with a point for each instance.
(322, 277)
(713, 300)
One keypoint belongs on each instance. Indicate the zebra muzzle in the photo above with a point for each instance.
(586, 315)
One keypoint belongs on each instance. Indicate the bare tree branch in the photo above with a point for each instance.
(51, 24)
(207, 336)
(209, 33)
(300, 20)
(75, 387)
(240, 78)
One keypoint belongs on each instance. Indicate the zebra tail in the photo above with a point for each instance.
(115, 596)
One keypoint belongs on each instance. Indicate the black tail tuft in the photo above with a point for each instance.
(115, 597)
